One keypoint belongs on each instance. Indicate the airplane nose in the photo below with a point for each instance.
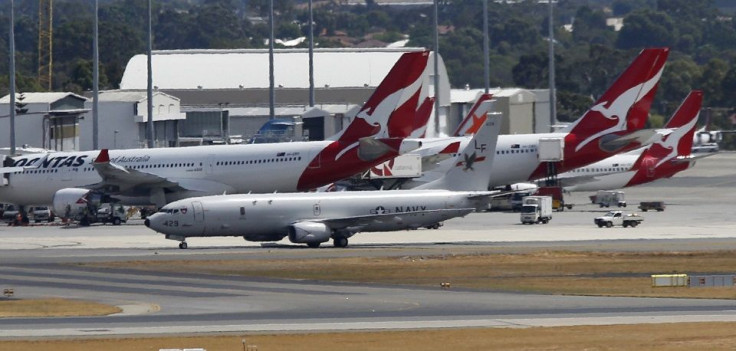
(147, 223)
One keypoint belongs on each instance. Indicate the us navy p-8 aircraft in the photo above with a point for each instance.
(71, 180)
(314, 218)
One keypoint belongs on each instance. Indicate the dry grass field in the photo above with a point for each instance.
(557, 272)
(53, 307)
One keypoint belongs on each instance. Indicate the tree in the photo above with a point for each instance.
(645, 29)
(530, 72)
(710, 82)
(680, 76)
(590, 27)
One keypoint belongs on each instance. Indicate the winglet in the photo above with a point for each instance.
(103, 157)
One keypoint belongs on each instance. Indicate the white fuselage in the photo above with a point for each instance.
(609, 174)
(267, 217)
(208, 169)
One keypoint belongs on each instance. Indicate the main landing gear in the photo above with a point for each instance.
(340, 241)
(183, 245)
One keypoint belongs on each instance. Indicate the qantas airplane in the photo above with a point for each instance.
(662, 159)
(314, 218)
(70, 180)
(613, 125)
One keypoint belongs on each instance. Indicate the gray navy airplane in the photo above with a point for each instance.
(314, 218)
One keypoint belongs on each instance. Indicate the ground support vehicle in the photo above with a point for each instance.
(558, 200)
(115, 214)
(608, 198)
(536, 209)
(618, 218)
(42, 213)
(652, 205)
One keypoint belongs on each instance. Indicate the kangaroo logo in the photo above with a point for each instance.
(619, 108)
(671, 141)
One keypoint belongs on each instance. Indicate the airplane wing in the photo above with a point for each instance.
(121, 180)
(356, 223)
(576, 180)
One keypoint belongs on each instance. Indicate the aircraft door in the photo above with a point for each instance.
(198, 211)
(66, 174)
(6, 162)
(209, 164)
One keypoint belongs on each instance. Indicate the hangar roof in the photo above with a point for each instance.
(41, 97)
(248, 68)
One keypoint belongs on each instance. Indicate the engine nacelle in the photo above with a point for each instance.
(74, 202)
(708, 137)
(309, 232)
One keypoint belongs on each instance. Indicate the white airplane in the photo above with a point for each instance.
(314, 218)
(613, 125)
(71, 180)
(662, 159)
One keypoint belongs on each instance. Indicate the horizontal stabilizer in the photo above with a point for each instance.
(612, 142)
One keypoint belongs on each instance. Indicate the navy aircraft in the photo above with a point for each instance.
(314, 218)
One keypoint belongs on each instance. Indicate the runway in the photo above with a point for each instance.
(40, 262)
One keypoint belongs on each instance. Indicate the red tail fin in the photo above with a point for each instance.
(391, 109)
(625, 105)
(680, 140)
(422, 117)
(473, 121)
(661, 159)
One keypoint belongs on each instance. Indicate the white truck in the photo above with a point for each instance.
(616, 218)
(608, 198)
(536, 209)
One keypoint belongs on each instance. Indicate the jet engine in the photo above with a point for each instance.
(310, 233)
(708, 137)
(75, 202)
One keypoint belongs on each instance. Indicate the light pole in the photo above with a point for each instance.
(95, 82)
(271, 79)
(552, 94)
(11, 40)
(151, 134)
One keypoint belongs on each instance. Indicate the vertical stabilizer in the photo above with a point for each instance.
(475, 118)
(391, 110)
(625, 105)
(664, 158)
(472, 168)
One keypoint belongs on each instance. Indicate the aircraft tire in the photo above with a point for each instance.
(340, 241)
(313, 245)
(183, 245)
